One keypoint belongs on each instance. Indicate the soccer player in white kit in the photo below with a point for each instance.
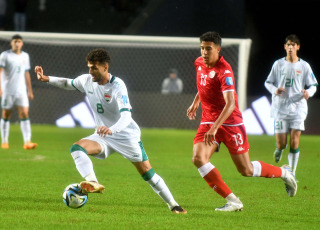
(291, 82)
(115, 130)
(15, 90)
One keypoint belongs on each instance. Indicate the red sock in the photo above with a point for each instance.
(270, 171)
(214, 180)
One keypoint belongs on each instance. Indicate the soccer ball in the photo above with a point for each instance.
(73, 196)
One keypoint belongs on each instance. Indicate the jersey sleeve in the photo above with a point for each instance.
(310, 78)
(3, 60)
(122, 97)
(227, 80)
(79, 83)
(273, 74)
(28, 66)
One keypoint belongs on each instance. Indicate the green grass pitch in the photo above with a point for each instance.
(32, 182)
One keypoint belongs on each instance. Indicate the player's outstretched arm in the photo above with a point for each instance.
(41, 77)
(63, 83)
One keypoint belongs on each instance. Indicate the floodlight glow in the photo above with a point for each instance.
(251, 123)
(262, 108)
(66, 121)
(82, 114)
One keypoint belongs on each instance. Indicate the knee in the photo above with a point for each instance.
(198, 161)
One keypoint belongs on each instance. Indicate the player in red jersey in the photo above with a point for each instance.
(222, 122)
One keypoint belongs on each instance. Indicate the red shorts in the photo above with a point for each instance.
(234, 137)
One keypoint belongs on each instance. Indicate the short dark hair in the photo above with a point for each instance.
(292, 37)
(16, 36)
(98, 55)
(211, 36)
(173, 70)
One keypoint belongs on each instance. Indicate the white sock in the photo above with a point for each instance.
(84, 165)
(256, 168)
(26, 130)
(205, 169)
(5, 128)
(293, 159)
(231, 197)
(160, 187)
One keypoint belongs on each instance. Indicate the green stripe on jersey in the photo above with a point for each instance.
(112, 79)
(144, 154)
(74, 86)
(125, 109)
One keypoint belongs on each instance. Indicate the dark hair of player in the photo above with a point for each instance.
(293, 38)
(211, 36)
(98, 55)
(16, 36)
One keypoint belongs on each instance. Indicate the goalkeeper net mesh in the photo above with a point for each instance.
(142, 62)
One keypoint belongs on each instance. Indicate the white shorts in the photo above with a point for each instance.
(131, 149)
(283, 126)
(8, 101)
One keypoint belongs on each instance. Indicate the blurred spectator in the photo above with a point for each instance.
(3, 6)
(172, 84)
(20, 15)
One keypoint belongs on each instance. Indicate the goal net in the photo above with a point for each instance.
(141, 61)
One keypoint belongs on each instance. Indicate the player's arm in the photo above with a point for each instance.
(229, 107)
(191, 111)
(29, 86)
(60, 82)
(0, 81)
(122, 123)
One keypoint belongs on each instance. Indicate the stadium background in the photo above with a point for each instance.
(265, 22)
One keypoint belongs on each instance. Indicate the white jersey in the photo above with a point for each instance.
(13, 81)
(107, 102)
(294, 77)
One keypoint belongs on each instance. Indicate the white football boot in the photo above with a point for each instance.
(231, 206)
(289, 180)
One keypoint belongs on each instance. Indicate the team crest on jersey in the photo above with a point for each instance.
(298, 73)
(212, 74)
(107, 97)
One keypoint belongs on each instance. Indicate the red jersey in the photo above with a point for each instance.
(211, 84)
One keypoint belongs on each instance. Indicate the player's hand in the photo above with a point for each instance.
(39, 71)
(280, 90)
(305, 94)
(191, 112)
(209, 137)
(103, 131)
(30, 95)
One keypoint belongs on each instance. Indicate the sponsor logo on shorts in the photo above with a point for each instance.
(240, 149)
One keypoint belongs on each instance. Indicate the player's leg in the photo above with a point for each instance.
(25, 125)
(158, 185)
(293, 156)
(79, 152)
(5, 127)
(281, 130)
(238, 147)
(201, 159)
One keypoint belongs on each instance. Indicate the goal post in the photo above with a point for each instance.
(141, 61)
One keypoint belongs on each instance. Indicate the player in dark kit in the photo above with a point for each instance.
(222, 122)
